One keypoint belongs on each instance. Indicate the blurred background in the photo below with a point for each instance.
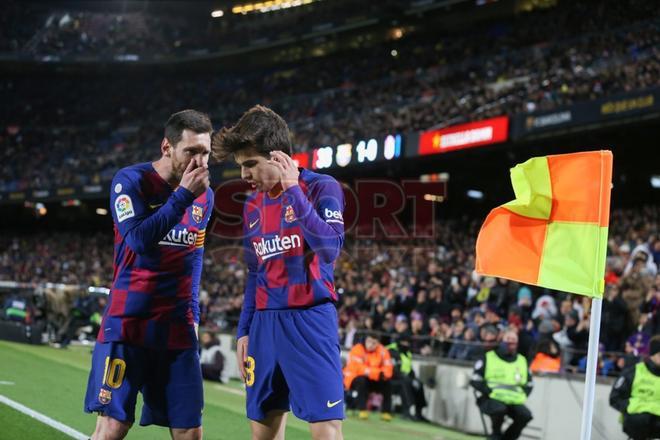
(448, 91)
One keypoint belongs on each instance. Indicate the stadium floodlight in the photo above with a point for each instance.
(396, 33)
(101, 211)
(433, 198)
(475, 194)
(394, 53)
(655, 181)
(268, 6)
(217, 13)
(40, 209)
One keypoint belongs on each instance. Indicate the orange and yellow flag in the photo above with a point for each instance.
(554, 234)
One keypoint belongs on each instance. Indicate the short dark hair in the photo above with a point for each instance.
(186, 120)
(490, 329)
(370, 334)
(259, 128)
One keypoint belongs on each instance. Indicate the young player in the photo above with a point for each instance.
(147, 341)
(294, 231)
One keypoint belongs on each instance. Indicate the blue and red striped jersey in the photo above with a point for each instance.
(291, 244)
(159, 245)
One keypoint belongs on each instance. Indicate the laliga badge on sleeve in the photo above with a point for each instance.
(124, 208)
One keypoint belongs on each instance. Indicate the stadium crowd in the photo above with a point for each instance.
(426, 290)
(138, 29)
(82, 132)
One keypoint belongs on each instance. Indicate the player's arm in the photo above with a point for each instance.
(249, 295)
(198, 259)
(322, 222)
(620, 394)
(197, 266)
(142, 229)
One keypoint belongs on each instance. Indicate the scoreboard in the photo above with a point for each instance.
(362, 151)
(390, 147)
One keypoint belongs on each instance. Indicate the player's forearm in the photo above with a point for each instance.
(152, 229)
(325, 240)
(198, 262)
(249, 305)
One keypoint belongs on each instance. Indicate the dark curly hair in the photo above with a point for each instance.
(259, 129)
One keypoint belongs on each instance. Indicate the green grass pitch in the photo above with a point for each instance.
(53, 382)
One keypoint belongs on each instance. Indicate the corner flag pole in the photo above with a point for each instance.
(590, 378)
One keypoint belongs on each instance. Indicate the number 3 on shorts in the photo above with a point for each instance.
(249, 371)
(113, 375)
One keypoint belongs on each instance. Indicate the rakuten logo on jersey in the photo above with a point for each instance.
(266, 249)
(333, 216)
(181, 237)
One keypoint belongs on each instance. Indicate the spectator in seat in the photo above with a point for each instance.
(369, 369)
(211, 358)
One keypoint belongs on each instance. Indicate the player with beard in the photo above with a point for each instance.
(147, 341)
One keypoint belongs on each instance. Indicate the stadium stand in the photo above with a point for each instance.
(430, 285)
(509, 67)
(80, 133)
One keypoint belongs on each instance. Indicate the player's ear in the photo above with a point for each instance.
(165, 147)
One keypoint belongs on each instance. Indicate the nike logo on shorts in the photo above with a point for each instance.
(332, 404)
(253, 223)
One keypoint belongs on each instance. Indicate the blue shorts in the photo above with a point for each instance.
(294, 363)
(170, 382)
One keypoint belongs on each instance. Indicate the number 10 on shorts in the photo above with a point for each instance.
(249, 371)
(113, 375)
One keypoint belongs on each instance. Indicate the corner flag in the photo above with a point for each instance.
(554, 234)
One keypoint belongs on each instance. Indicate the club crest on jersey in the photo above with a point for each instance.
(124, 208)
(289, 215)
(197, 213)
(105, 396)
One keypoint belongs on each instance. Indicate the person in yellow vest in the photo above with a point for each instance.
(636, 393)
(409, 387)
(504, 380)
(369, 368)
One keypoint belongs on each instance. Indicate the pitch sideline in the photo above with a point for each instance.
(44, 419)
